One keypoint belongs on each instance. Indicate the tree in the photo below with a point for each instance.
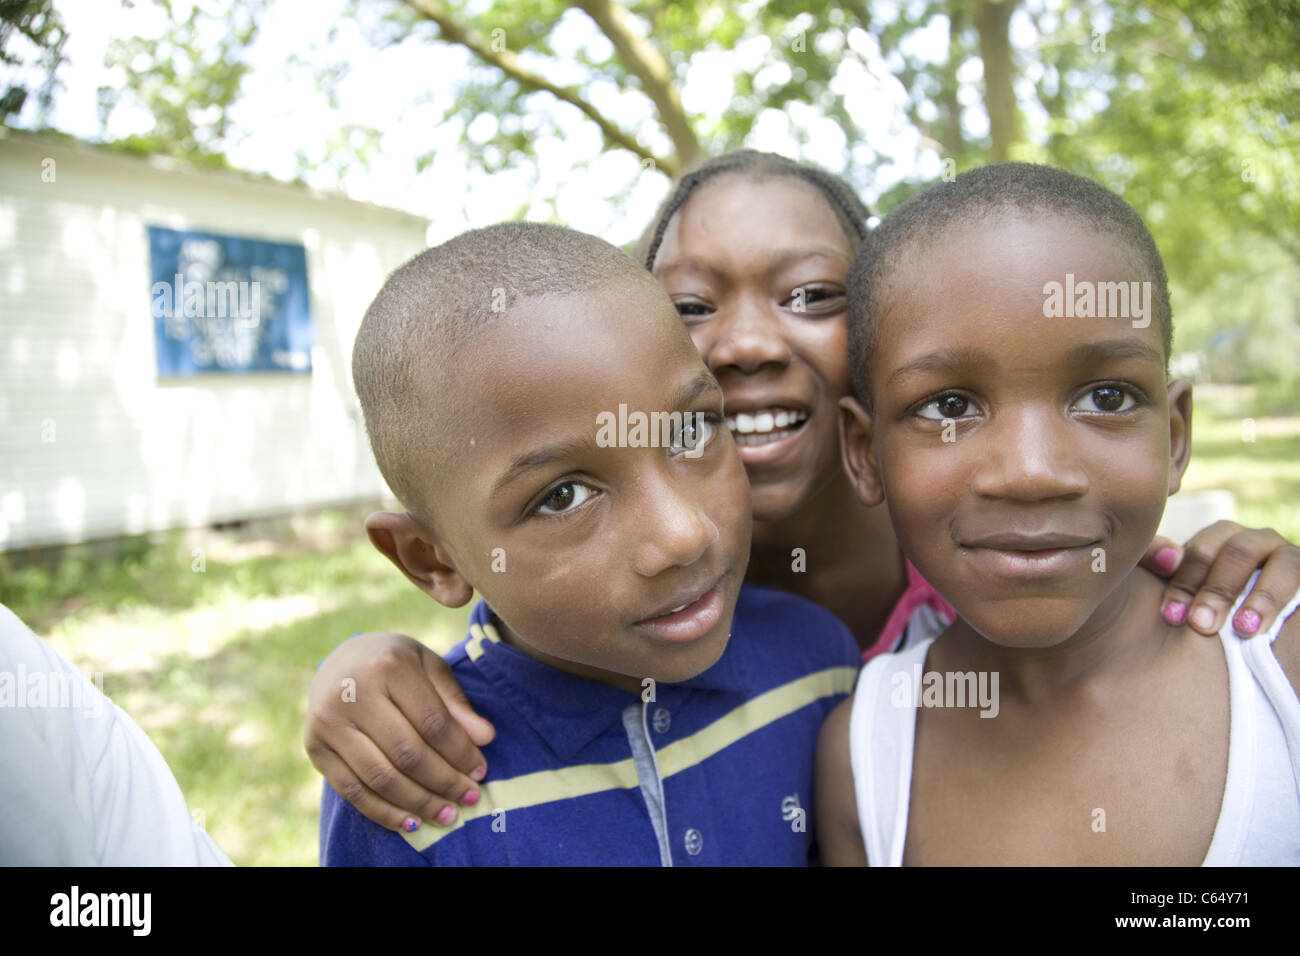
(188, 79)
(651, 44)
(1151, 100)
(32, 37)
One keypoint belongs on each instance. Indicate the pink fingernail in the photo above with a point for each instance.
(1246, 621)
(479, 772)
(469, 799)
(1166, 559)
(410, 824)
(446, 814)
(1174, 612)
(1203, 618)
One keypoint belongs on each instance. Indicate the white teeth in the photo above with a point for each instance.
(682, 608)
(757, 429)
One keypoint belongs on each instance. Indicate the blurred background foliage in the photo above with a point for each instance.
(1186, 107)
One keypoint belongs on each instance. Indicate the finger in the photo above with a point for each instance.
(1192, 570)
(1278, 582)
(368, 803)
(424, 741)
(439, 673)
(376, 773)
(1162, 556)
(1229, 574)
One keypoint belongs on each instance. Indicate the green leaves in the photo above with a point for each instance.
(187, 78)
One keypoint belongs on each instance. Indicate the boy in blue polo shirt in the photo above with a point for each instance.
(535, 403)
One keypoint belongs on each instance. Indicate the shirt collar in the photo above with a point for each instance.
(570, 712)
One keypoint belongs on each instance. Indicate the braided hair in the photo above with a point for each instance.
(851, 211)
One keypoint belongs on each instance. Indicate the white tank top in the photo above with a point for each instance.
(1259, 820)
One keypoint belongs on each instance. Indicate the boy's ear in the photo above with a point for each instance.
(1180, 431)
(855, 452)
(418, 555)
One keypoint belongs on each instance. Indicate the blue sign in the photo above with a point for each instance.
(228, 304)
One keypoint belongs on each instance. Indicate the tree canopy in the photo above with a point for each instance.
(1186, 107)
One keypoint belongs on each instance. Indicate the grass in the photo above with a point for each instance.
(1263, 473)
(214, 663)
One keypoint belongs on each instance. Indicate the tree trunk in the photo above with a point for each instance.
(992, 19)
(949, 104)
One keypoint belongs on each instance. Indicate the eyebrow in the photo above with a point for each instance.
(1096, 352)
(1089, 353)
(947, 360)
(704, 382)
(783, 261)
(542, 456)
(568, 447)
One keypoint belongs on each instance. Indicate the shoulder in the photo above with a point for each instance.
(796, 626)
(839, 836)
(74, 763)
(834, 737)
(1286, 648)
(479, 681)
(347, 838)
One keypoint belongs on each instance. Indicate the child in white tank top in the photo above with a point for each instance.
(1259, 822)
(1051, 723)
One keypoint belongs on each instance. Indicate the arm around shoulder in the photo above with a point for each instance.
(835, 807)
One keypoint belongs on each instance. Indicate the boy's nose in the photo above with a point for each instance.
(746, 335)
(1030, 455)
(674, 532)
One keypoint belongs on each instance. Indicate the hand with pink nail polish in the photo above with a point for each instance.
(404, 746)
(1209, 573)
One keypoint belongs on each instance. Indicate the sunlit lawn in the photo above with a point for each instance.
(214, 665)
(1263, 474)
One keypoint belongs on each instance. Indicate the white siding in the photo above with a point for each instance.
(92, 444)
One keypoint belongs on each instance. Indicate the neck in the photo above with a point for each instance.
(848, 559)
(1118, 636)
(622, 681)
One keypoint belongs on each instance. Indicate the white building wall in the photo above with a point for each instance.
(92, 443)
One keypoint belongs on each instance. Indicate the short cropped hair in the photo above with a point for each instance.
(428, 313)
(985, 193)
(850, 210)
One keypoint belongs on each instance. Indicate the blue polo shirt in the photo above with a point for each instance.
(716, 770)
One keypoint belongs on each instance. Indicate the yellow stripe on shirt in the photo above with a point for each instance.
(478, 635)
(567, 783)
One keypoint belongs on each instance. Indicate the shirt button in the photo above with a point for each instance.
(694, 842)
(661, 720)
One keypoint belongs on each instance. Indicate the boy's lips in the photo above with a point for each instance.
(688, 616)
(1030, 555)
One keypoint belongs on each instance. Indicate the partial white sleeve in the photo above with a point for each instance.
(80, 783)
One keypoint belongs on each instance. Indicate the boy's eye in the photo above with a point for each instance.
(1106, 398)
(695, 434)
(564, 497)
(813, 298)
(692, 309)
(951, 405)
